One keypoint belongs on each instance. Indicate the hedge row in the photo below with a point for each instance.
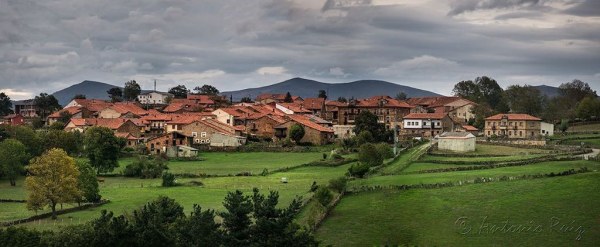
(365, 188)
(58, 212)
(490, 162)
(13, 200)
(489, 166)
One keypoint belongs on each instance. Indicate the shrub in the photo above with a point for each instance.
(196, 183)
(358, 170)
(142, 167)
(168, 180)
(324, 156)
(338, 184)
(363, 138)
(369, 155)
(385, 150)
(323, 196)
(297, 132)
(314, 186)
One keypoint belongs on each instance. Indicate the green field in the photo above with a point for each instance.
(483, 149)
(592, 142)
(432, 217)
(587, 127)
(127, 194)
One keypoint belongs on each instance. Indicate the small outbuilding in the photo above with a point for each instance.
(456, 141)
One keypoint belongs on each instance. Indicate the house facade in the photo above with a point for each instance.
(313, 133)
(154, 98)
(12, 119)
(389, 111)
(516, 126)
(426, 124)
(167, 143)
(456, 141)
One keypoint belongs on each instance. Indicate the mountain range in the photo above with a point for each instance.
(309, 89)
(296, 86)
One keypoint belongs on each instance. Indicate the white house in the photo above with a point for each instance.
(154, 98)
(425, 124)
(456, 141)
(547, 129)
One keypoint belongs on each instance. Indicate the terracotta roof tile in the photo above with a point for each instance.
(308, 123)
(514, 116)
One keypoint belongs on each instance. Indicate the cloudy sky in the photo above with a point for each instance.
(234, 44)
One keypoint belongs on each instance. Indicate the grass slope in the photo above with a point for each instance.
(429, 217)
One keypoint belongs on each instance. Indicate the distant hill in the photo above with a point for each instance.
(549, 91)
(309, 89)
(91, 89)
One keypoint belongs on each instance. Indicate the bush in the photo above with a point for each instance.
(142, 167)
(314, 186)
(358, 170)
(323, 196)
(168, 180)
(196, 183)
(369, 155)
(296, 132)
(385, 150)
(363, 138)
(338, 184)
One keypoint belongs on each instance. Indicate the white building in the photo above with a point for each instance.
(456, 141)
(547, 129)
(154, 98)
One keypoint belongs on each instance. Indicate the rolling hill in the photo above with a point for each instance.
(91, 89)
(309, 88)
(549, 91)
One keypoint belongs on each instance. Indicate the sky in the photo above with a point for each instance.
(48, 45)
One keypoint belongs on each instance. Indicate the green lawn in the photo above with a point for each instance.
(483, 149)
(422, 166)
(426, 158)
(127, 194)
(587, 127)
(592, 142)
(405, 159)
(433, 217)
(222, 163)
(429, 178)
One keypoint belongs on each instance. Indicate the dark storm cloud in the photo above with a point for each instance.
(47, 45)
(586, 8)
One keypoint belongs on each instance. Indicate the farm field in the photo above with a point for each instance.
(484, 149)
(586, 127)
(433, 217)
(127, 194)
(216, 163)
(591, 142)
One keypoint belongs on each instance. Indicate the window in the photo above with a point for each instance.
(489, 132)
(438, 124)
(194, 134)
(203, 134)
(509, 133)
(520, 133)
(520, 123)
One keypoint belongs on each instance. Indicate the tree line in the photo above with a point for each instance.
(248, 220)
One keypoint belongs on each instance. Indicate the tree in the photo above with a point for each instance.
(338, 184)
(87, 182)
(199, 229)
(524, 99)
(288, 98)
(588, 108)
(297, 132)
(5, 104)
(401, 96)
(367, 121)
(576, 91)
(342, 100)
(564, 125)
(131, 90)
(70, 142)
(468, 90)
(482, 90)
(52, 180)
(179, 92)
(207, 90)
(323, 196)
(46, 104)
(236, 219)
(102, 147)
(33, 143)
(368, 154)
(115, 94)
(246, 100)
(58, 125)
(154, 223)
(322, 94)
(358, 170)
(13, 156)
(363, 137)
(384, 150)
(79, 96)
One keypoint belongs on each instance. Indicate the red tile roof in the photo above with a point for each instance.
(296, 107)
(93, 105)
(125, 107)
(436, 115)
(313, 103)
(277, 97)
(201, 99)
(382, 101)
(111, 123)
(514, 116)
(469, 128)
(71, 110)
(308, 123)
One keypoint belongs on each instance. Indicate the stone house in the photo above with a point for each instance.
(263, 124)
(313, 132)
(122, 110)
(203, 131)
(74, 111)
(12, 119)
(514, 126)
(168, 141)
(118, 125)
(389, 111)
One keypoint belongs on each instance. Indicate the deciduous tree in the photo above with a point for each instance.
(207, 90)
(102, 148)
(297, 132)
(179, 92)
(5, 104)
(13, 157)
(87, 183)
(524, 99)
(131, 90)
(322, 94)
(52, 180)
(46, 104)
(115, 94)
